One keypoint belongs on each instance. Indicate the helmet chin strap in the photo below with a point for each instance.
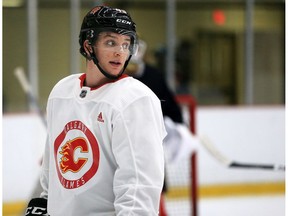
(109, 76)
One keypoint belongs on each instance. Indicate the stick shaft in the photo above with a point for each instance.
(20, 75)
(235, 164)
(257, 166)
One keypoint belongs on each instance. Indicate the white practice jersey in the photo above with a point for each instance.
(104, 151)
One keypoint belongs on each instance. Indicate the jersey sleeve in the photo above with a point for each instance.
(138, 133)
(44, 175)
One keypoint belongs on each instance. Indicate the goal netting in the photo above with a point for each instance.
(181, 177)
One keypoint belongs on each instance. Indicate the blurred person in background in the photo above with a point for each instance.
(154, 79)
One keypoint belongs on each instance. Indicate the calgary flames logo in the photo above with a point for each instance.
(68, 162)
(76, 154)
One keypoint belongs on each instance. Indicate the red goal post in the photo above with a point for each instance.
(189, 102)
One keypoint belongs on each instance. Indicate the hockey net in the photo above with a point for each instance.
(181, 198)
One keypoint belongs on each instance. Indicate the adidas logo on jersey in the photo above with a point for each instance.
(100, 118)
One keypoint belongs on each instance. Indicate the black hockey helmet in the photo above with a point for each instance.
(102, 19)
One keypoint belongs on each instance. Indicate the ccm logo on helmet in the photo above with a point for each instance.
(123, 21)
(34, 210)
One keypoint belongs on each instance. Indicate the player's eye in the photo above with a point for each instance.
(110, 43)
(125, 46)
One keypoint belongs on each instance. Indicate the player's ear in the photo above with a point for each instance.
(87, 48)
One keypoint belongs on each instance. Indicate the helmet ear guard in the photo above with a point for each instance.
(87, 50)
(90, 36)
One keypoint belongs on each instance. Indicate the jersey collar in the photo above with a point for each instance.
(83, 77)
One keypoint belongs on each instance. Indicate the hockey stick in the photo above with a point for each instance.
(235, 164)
(20, 75)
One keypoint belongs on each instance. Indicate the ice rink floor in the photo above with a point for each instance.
(272, 205)
(268, 205)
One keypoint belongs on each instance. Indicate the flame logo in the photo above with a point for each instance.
(67, 161)
(94, 10)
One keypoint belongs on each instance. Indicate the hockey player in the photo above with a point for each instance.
(104, 153)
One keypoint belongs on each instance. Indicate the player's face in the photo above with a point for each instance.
(112, 50)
